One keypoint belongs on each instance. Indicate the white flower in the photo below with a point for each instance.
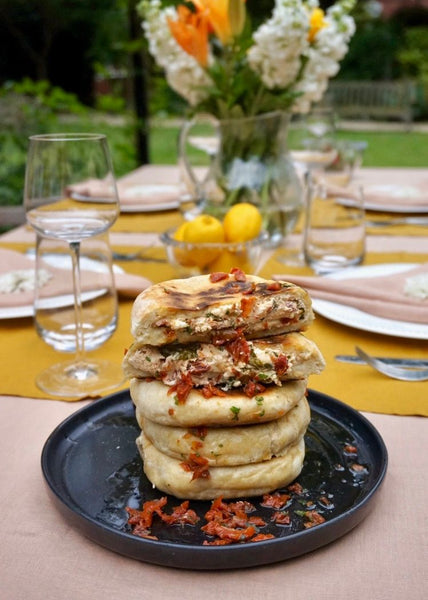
(279, 44)
(183, 73)
(323, 57)
(284, 57)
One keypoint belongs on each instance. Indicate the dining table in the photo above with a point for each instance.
(46, 555)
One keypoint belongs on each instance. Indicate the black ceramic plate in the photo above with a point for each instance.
(93, 471)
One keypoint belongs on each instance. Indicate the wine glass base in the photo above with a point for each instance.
(80, 379)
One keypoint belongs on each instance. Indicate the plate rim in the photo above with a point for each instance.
(382, 326)
(166, 553)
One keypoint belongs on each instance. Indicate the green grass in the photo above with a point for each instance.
(384, 149)
(392, 149)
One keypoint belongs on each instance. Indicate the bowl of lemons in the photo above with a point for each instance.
(207, 244)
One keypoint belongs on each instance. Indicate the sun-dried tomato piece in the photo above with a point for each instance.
(281, 518)
(209, 390)
(349, 449)
(229, 533)
(239, 348)
(238, 274)
(218, 276)
(295, 488)
(182, 388)
(275, 500)
(247, 305)
(252, 388)
(313, 518)
(181, 515)
(260, 537)
(198, 465)
(280, 364)
(144, 517)
(273, 286)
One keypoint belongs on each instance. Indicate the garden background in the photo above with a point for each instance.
(84, 66)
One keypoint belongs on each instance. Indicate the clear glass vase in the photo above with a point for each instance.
(248, 162)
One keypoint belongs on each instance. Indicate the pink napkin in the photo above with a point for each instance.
(382, 296)
(131, 190)
(400, 196)
(60, 282)
(387, 195)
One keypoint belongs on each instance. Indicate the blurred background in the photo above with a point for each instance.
(83, 66)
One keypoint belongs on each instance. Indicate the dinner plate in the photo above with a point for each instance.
(395, 192)
(93, 471)
(353, 317)
(58, 261)
(142, 198)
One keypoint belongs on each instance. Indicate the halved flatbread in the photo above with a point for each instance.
(168, 475)
(196, 309)
(155, 401)
(227, 446)
(268, 360)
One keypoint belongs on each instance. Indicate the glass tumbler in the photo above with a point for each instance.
(334, 235)
(53, 304)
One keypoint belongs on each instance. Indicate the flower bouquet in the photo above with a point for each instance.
(249, 82)
(219, 66)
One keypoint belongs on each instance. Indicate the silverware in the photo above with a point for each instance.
(139, 255)
(398, 221)
(400, 362)
(401, 373)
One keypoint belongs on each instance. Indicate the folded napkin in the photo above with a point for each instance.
(385, 196)
(57, 281)
(396, 195)
(131, 190)
(401, 297)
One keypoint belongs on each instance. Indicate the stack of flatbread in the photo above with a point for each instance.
(218, 375)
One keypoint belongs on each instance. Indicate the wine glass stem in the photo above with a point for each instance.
(77, 292)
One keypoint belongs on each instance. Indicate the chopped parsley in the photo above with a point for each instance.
(235, 411)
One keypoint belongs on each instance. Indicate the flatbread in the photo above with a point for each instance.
(271, 359)
(228, 446)
(196, 309)
(168, 475)
(155, 402)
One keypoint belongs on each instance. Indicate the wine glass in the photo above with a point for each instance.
(57, 166)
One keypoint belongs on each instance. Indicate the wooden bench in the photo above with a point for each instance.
(374, 99)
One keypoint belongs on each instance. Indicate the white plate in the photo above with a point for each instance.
(147, 193)
(58, 261)
(396, 192)
(352, 317)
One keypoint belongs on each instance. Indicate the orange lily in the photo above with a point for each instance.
(316, 22)
(227, 17)
(190, 31)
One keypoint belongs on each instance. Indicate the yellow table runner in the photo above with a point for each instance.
(25, 355)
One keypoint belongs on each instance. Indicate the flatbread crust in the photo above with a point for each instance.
(154, 402)
(217, 364)
(168, 476)
(196, 309)
(228, 446)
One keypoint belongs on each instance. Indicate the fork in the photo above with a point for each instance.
(401, 373)
(139, 255)
(398, 221)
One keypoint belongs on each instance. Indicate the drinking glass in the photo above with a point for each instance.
(53, 303)
(334, 235)
(57, 164)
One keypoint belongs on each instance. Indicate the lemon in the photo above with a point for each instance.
(179, 232)
(203, 229)
(242, 222)
(228, 259)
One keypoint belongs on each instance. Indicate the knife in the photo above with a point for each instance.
(398, 221)
(403, 362)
